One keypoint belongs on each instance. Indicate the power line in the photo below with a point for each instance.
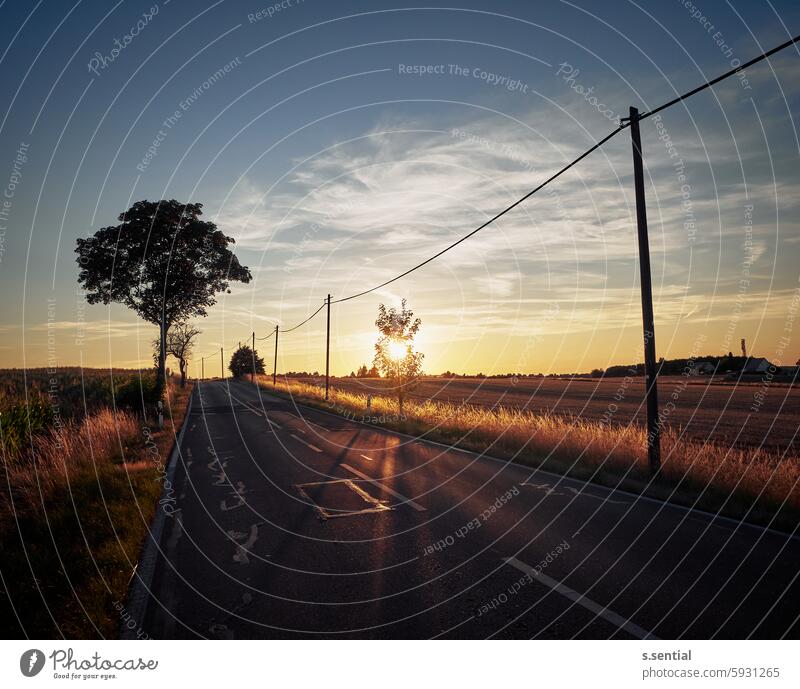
(295, 327)
(488, 222)
(720, 78)
(623, 124)
(574, 162)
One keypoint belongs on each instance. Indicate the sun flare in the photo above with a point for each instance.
(397, 350)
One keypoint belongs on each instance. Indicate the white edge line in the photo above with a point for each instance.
(142, 579)
(367, 458)
(609, 615)
(405, 500)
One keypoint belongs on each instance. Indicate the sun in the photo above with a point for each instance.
(397, 350)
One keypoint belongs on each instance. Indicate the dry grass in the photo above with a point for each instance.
(758, 484)
(73, 517)
(61, 455)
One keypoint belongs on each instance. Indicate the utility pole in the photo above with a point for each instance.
(328, 350)
(254, 356)
(222, 363)
(275, 364)
(650, 372)
(202, 368)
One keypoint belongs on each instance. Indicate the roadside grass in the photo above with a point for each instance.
(757, 485)
(73, 517)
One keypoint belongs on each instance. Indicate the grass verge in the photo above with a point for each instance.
(758, 486)
(73, 520)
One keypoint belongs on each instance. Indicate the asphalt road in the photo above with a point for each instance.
(292, 522)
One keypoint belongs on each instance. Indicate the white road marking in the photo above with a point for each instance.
(365, 457)
(313, 447)
(608, 615)
(242, 549)
(277, 425)
(405, 500)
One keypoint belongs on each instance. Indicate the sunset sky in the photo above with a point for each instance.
(311, 138)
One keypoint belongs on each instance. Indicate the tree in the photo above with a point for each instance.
(394, 351)
(363, 372)
(161, 261)
(180, 342)
(243, 360)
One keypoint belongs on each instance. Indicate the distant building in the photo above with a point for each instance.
(756, 365)
(702, 368)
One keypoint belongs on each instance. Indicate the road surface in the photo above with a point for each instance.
(294, 523)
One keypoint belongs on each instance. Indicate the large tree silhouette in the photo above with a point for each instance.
(162, 261)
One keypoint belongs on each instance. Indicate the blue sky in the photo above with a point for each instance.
(311, 137)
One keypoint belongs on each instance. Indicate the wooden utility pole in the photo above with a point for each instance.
(222, 363)
(328, 350)
(254, 355)
(202, 368)
(275, 363)
(650, 372)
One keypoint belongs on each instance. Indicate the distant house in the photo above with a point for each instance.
(702, 368)
(756, 365)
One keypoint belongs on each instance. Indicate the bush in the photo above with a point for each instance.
(19, 421)
(140, 393)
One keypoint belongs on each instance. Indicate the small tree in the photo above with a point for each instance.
(162, 261)
(395, 357)
(180, 342)
(243, 361)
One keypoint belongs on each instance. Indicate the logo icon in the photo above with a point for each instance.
(31, 662)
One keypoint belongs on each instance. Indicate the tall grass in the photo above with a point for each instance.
(62, 454)
(74, 512)
(735, 481)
